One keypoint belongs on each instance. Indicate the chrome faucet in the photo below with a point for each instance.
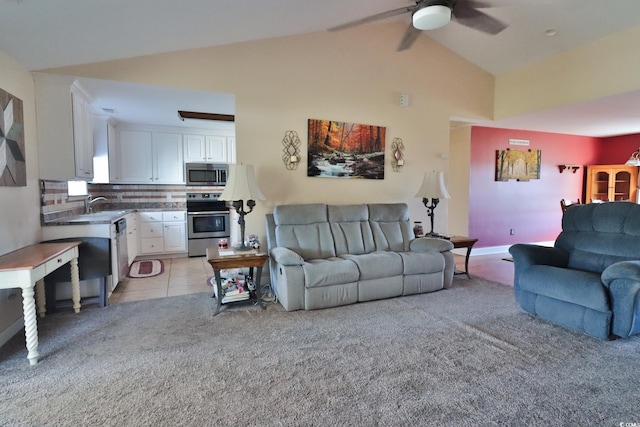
(88, 203)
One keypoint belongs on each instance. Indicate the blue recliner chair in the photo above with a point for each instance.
(590, 280)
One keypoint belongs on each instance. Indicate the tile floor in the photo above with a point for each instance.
(189, 275)
(180, 276)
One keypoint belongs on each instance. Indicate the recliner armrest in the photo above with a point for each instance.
(628, 270)
(622, 280)
(526, 255)
(285, 256)
(430, 244)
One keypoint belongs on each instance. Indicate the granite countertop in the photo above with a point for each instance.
(101, 217)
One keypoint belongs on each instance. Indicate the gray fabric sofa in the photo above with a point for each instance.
(329, 255)
(590, 280)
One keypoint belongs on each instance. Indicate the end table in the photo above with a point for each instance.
(237, 260)
(464, 242)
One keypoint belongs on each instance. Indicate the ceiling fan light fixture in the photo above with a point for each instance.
(431, 17)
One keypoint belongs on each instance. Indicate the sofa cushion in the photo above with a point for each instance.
(377, 264)
(422, 262)
(329, 271)
(304, 229)
(350, 228)
(598, 235)
(390, 226)
(593, 261)
(578, 287)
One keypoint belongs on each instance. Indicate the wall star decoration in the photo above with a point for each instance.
(13, 168)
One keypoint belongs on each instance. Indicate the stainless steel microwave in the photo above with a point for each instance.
(206, 174)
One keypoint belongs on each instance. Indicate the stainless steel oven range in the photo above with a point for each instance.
(207, 222)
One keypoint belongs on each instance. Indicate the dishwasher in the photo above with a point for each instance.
(121, 248)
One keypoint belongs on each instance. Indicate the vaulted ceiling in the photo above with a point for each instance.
(42, 34)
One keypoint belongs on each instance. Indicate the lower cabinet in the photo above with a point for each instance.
(132, 237)
(163, 232)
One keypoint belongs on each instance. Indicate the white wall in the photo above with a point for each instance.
(352, 76)
(19, 206)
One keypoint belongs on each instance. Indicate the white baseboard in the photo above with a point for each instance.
(8, 333)
(494, 249)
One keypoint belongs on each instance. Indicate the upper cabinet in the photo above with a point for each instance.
(209, 148)
(65, 130)
(147, 157)
(609, 183)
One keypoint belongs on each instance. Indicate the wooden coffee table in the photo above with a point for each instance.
(464, 242)
(237, 260)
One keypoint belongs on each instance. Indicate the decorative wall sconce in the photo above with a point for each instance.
(397, 158)
(634, 160)
(291, 156)
(572, 168)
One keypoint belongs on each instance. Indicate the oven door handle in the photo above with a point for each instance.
(208, 213)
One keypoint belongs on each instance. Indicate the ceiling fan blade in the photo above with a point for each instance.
(475, 4)
(410, 36)
(477, 20)
(372, 18)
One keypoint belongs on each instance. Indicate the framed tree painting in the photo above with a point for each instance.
(345, 150)
(517, 164)
(13, 169)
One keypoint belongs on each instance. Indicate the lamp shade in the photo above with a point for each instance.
(433, 186)
(431, 17)
(241, 184)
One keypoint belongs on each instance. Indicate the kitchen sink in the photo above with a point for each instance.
(95, 217)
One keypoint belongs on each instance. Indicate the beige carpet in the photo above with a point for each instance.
(462, 356)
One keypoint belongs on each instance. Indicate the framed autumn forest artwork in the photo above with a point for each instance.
(345, 150)
(517, 164)
(13, 168)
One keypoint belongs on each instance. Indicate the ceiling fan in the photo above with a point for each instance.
(432, 14)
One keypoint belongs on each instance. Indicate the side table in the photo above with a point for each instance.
(464, 242)
(237, 260)
(25, 269)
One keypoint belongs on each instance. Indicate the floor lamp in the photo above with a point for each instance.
(242, 188)
(433, 188)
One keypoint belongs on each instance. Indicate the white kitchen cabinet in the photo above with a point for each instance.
(208, 148)
(82, 131)
(132, 236)
(175, 231)
(134, 157)
(163, 232)
(146, 157)
(168, 165)
(64, 123)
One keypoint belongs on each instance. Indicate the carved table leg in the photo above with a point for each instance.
(30, 324)
(75, 285)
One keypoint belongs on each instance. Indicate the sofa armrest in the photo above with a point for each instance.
(628, 270)
(622, 279)
(526, 255)
(286, 256)
(430, 244)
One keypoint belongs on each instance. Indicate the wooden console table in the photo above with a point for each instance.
(237, 260)
(25, 269)
(464, 242)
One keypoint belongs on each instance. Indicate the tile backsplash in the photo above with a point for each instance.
(56, 203)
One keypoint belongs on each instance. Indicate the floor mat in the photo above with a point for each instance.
(146, 268)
